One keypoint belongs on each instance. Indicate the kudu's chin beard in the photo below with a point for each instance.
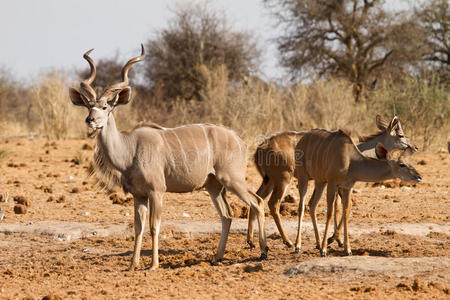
(93, 132)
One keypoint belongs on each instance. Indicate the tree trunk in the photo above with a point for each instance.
(358, 92)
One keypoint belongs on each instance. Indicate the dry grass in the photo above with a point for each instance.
(254, 108)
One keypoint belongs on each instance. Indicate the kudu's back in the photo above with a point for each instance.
(190, 153)
(325, 154)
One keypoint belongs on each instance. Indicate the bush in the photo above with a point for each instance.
(54, 108)
(423, 104)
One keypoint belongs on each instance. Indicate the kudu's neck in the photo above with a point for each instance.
(116, 145)
(368, 147)
(370, 170)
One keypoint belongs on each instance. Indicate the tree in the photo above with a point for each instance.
(434, 18)
(196, 38)
(348, 38)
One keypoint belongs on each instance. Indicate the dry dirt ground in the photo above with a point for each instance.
(73, 242)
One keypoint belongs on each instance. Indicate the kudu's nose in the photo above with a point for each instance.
(89, 120)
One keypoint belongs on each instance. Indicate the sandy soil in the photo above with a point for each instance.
(73, 242)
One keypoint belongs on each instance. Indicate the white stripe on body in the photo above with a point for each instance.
(208, 146)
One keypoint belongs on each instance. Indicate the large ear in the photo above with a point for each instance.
(381, 151)
(381, 122)
(123, 97)
(393, 125)
(76, 97)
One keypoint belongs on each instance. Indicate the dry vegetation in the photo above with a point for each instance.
(253, 108)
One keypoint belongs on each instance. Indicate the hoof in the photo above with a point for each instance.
(215, 261)
(153, 268)
(323, 254)
(297, 250)
(131, 268)
(251, 245)
(349, 253)
(263, 256)
(288, 244)
(318, 247)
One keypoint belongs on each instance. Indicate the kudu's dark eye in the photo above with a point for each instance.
(104, 107)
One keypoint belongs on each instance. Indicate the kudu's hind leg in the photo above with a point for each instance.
(315, 198)
(155, 200)
(337, 226)
(264, 190)
(238, 186)
(140, 215)
(278, 193)
(215, 190)
(346, 207)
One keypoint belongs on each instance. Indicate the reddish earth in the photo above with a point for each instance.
(73, 242)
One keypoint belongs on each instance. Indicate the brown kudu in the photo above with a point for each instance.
(275, 161)
(332, 159)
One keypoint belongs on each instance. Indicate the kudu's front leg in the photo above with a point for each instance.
(155, 199)
(140, 215)
(331, 194)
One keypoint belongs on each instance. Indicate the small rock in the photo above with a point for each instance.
(85, 213)
(75, 190)
(20, 209)
(406, 188)
(416, 285)
(356, 191)
(4, 197)
(422, 162)
(285, 209)
(254, 268)
(126, 214)
(289, 199)
(403, 286)
(185, 215)
(382, 187)
(52, 297)
(22, 200)
(61, 199)
(71, 178)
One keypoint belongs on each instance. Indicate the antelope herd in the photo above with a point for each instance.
(151, 160)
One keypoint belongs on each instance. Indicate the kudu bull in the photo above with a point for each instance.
(151, 160)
